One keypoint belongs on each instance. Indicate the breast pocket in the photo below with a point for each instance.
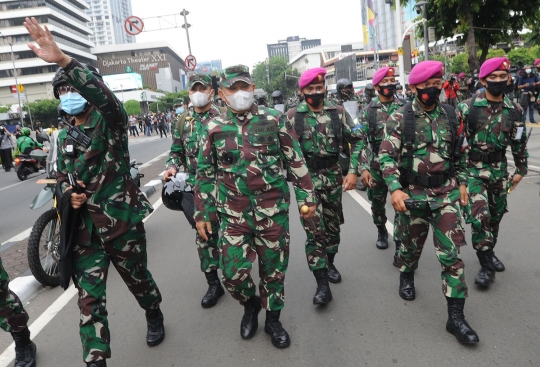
(266, 149)
(506, 131)
(444, 143)
(227, 151)
(191, 146)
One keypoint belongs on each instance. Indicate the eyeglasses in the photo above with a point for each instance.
(66, 89)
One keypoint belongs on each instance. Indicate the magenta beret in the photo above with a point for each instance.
(426, 70)
(493, 64)
(536, 62)
(382, 73)
(315, 75)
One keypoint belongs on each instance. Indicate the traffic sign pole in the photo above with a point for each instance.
(186, 26)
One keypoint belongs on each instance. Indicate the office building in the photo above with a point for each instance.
(291, 47)
(107, 19)
(67, 22)
(211, 67)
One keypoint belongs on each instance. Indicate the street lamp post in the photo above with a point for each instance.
(15, 75)
(423, 5)
(186, 26)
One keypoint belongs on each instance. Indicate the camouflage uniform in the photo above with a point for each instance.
(319, 142)
(240, 182)
(13, 317)
(379, 190)
(488, 182)
(184, 152)
(431, 156)
(110, 227)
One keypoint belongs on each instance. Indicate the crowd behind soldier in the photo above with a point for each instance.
(436, 161)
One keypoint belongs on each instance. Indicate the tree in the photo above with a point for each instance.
(520, 54)
(460, 63)
(45, 110)
(282, 76)
(5, 109)
(132, 107)
(483, 23)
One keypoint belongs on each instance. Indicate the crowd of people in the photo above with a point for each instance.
(440, 163)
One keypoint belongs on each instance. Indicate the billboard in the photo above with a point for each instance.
(126, 81)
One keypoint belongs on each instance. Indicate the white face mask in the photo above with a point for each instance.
(528, 71)
(199, 99)
(240, 101)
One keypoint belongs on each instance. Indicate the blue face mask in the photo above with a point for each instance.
(73, 103)
(179, 110)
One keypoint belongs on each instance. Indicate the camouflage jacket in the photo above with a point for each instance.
(375, 138)
(431, 154)
(114, 202)
(496, 135)
(185, 148)
(240, 166)
(318, 140)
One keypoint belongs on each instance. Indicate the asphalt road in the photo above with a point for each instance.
(367, 323)
(16, 196)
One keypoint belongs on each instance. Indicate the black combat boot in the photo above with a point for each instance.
(25, 349)
(273, 327)
(250, 321)
(396, 254)
(215, 290)
(323, 294)
(102, 363)
(156, 330)
(497, 264)
(333, 274)
(406, 286)
(382, 238)
(456, 324)
(486, 275)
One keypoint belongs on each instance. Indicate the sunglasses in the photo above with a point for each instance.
(66, 89)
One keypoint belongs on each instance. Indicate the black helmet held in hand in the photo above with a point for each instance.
(343, 93)
(171, 196)
(58, 80)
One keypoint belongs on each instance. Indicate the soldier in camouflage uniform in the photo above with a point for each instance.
(322, 130)
(493, 123)
(417, 160)
(240, 182)
(369, 94)
(184, 152)
(111, 206)
(14, 319)
(373, 119)
(345, 93)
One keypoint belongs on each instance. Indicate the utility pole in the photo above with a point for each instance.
(10, 43)
(186, 26)
(423, 5)
(29, 112)
(267, 72)
(399, 43)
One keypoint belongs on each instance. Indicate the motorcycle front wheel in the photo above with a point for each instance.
(43, 249)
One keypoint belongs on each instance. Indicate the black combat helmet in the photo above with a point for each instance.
(57, 81)
(341, 85)
(399, 87)
(277, 97)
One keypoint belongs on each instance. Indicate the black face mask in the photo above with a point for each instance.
(315, 99)
(428, 96)
(387, 91)
(496, 88)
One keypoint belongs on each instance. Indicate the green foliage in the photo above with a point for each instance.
(146, 86)
(45, 110)
(5, 109)
(277, 68)
(521, 54)
(132, 107)
(460, 63)
(167, 101)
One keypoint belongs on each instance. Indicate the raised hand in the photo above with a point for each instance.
(48, 50)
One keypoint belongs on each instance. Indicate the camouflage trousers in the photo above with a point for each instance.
(487, 205)
(245, 238)
(378, 194)
(91, 259)
(448, 236)
(208, 250)
(13, 317)
(322, 230)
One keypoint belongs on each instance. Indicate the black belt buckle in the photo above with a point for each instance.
(413, 204)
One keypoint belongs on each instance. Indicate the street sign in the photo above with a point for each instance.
(400, 51)
(13, 89)
(19, 95)
(20, 87)
(133, 25)
(190, 62)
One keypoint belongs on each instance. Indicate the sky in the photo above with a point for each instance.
(237, 31)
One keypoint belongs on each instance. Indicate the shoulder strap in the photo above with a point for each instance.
(514, 113)
(299, 124)
(452, 119)
(372, 119)
(472, 118)
(336, 126)
(409, 132)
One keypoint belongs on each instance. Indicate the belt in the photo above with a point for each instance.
(321, 162)
(489, 157)
(409, 178)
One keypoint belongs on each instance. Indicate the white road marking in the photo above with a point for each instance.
(367, 207)
(20, 237)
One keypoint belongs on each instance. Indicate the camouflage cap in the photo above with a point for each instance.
(235, 73)
(203, 79)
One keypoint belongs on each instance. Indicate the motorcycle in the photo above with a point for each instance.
(44, 240)
(26, 164)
